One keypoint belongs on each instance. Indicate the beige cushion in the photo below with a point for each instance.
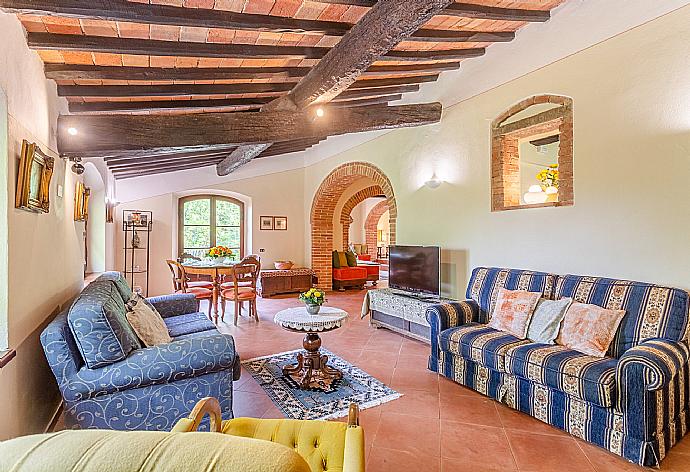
(589, 329)
(513, 311)
(147, 322)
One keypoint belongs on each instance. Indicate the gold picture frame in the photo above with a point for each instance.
(33, 179)
(81, 202)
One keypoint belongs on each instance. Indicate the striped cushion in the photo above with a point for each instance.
(588, 378)
(479, 343)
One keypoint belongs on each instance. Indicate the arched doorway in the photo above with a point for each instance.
(352, 202)
(94, 229)
(371, 227)
(323, 209)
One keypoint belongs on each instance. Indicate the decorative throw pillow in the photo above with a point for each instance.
(351, 259)
(546, 320)
(513, 311)
(589, 329)
(147, 322)
(342, 258)
(336, 260)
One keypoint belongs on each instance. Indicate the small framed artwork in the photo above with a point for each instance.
(280, 223)
(136, 218)
(81, 202)
(33, 180)
(266, 223)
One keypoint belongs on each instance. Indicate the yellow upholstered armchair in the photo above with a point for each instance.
(324, 445)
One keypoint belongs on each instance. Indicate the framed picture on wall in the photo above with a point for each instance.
(33, 179)
(81, 202)
(280, 223)
(266, 223)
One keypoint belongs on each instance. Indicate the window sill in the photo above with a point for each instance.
(534, 205)
(6, 357)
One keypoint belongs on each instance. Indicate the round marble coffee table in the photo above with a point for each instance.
(312, 369)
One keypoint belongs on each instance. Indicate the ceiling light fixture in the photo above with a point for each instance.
(320, 112)
(78, 168)
(433, 182)
(72, 131)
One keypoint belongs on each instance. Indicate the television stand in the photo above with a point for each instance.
(399, 311)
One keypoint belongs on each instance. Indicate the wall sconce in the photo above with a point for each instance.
(78, 167)
(433, 182)
(535, 195)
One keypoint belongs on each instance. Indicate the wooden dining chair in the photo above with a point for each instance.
(176, 270)
(200, 293)
(250, 259)
(241, 274)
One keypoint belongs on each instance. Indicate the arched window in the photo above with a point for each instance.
(206, 221)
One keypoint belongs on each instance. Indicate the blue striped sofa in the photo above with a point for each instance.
(635, 402)
(108, 380)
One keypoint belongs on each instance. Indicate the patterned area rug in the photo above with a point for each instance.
(356, 386)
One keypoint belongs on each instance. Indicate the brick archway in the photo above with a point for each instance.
(323, 211)
(371, 226)
(356, 199)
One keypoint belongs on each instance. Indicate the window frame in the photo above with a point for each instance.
(212, 223)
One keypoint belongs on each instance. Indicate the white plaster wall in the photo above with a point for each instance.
(44, 257)
(631, 215)
(359, 218)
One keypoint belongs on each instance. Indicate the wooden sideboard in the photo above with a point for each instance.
(274, 282)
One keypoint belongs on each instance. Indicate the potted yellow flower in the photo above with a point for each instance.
(220, 252)
(313, 299)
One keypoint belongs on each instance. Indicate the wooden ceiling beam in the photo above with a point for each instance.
(249, 103)
(174, 90)
(120, 10)
(470, 10)
(115, 163)
(382, 28)
(123, 132)
(152, 47)
(115, 168)
(91, 72)
(140, 173)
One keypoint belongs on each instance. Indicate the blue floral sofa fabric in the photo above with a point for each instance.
(108, 380)
(635, 402)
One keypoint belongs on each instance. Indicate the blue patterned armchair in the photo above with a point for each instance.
(109, 380)
(635, 402)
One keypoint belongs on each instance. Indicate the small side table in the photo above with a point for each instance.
(312, 369)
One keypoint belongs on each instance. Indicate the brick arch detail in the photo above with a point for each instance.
(323, 210)
(371, 226)
(352, 202)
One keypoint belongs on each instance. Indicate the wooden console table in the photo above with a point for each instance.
(403, 314)
(273, 282)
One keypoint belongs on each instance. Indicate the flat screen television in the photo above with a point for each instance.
(415, 269)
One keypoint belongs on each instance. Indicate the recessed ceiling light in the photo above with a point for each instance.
(72, 131)
(320, 112)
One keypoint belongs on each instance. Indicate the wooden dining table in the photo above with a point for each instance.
(214, 269)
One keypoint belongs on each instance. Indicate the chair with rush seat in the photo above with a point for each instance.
(244, 278)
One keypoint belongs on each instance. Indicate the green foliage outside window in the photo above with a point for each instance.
(211, 221)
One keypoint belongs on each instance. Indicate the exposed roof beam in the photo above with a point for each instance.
(121, 10)
(470, 10)
(382, 28)
(152, 47)
(174, 90)
(141, 173)
(123, 132)
(91, 72)
(249, 103)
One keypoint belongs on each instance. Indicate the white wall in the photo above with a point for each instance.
(631, 216)
(359, 218)
(44, 257)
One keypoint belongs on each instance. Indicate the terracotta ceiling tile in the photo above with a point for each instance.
(309, 40)
(220, 36)
(310, 10)
(60, 25)
(286, 7)
(33, 23)
(333, 12)
(231, 62)
(162, 61)
(99, 28)
(165, 32)
(104, 59)
(245, 37)
(175, 3)
(209, 62)
(354, 14)
(268, 39)
(193, 34)
(186, 62)
(262, 7)
(135, 61)
(230, 5)
(52, 56)
(199, 3)
(134, 30)
(77, 57)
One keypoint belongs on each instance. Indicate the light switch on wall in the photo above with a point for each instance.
(59, 191)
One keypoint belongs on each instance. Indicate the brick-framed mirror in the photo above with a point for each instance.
(532, 154)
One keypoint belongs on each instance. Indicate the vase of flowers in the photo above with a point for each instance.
(549, 182)
(313, 299)
(220, 253)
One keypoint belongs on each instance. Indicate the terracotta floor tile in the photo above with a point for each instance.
(676, 462)
(605, 461)
(543, 453)
(418, 380)
(418, 403)
(251, 405)
(476, 447)
(464, 409)
(391, 460)
(412, 434)
(449, 388)
(515, 420)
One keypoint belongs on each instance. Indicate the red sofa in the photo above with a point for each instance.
(349, 277)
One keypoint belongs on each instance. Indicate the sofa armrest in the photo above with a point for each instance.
(181, 359)
(175, 304)
(641, 373)
(442, 316)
